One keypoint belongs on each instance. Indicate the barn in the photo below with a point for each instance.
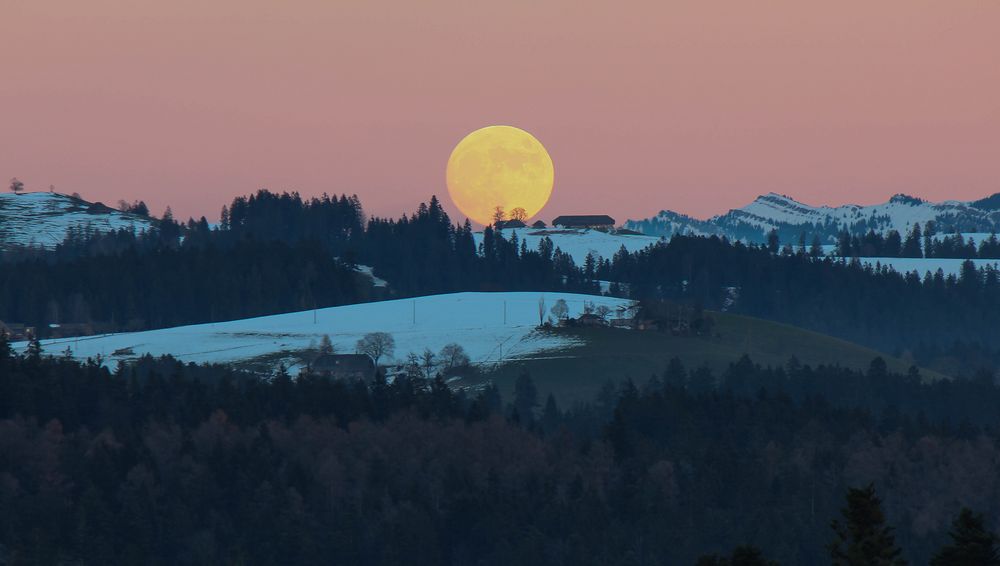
(592, 221)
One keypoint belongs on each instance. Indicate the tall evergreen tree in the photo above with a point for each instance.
(816, 248)
(525, 397)
(911, 247)
(971, 543)
(863, 538)
(773, 242)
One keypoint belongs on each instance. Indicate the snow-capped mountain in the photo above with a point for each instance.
(44, 219)
(791, 218)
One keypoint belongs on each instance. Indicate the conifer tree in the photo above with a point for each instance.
(971, 543)
(773, 241)
(525, 396)
(863, 538)
(816, 249)
(911, 247)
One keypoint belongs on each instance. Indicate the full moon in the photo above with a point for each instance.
(499, 166)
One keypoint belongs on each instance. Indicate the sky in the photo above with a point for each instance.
(695, 106)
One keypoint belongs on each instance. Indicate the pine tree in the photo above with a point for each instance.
(864, 539)
(34, 350)
(550, 414)
(971, 543)
(911, 247)
(773, 242)
(525, 396)
(816, 249)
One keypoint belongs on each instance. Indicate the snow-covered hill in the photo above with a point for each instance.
(44, 219)
(492, 327)
(578, 243)
(790, 217)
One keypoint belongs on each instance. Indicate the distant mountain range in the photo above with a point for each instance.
(792, 218)
(44, 219)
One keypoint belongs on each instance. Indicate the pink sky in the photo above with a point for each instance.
(696, 106)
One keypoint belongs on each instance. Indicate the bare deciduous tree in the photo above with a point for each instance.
(16, 185)
(325, 345)
(560, 310)
(376, 345)
(541, 310)
(453, 356)
(498, 215)
(518, 214)
(427, 361)
(603, 311)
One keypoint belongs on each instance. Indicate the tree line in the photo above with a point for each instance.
(165, 462)
(919, 243)
(278, 253)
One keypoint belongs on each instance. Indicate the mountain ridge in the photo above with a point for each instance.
(791, 218)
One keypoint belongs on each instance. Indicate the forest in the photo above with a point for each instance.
(277, 253)
(168, 463)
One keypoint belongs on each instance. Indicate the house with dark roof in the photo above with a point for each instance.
(16, 332)
(593, 221)
(344, 366)
(538, 224)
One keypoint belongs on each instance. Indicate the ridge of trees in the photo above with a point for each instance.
(164, 462)
(275, 253)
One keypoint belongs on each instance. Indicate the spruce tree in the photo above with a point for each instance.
(525, 396)
(911, 247)
(816, 248)
(773, 242)
(971, 543)
(863, 538)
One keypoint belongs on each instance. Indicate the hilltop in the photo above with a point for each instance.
(44, 219)
(791, 218)
(578, 243)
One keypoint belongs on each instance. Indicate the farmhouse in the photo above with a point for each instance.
(15, 331)
(344, 366)
(592, 221)
(538, 224)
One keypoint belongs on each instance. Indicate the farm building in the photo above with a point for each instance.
(592, 221)
(344, 366)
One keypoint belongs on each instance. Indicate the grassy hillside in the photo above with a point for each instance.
(577, 373)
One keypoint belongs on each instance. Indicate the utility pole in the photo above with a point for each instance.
(414, 311)
(505, 313)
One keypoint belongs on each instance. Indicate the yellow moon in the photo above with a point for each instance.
(499, 166)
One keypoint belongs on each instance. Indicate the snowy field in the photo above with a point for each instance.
(492, 327)
(578, 243)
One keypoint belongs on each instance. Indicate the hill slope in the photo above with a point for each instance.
(44, 219)
(577, 373)
(573, 363)
(790, 217)
(492, 327)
